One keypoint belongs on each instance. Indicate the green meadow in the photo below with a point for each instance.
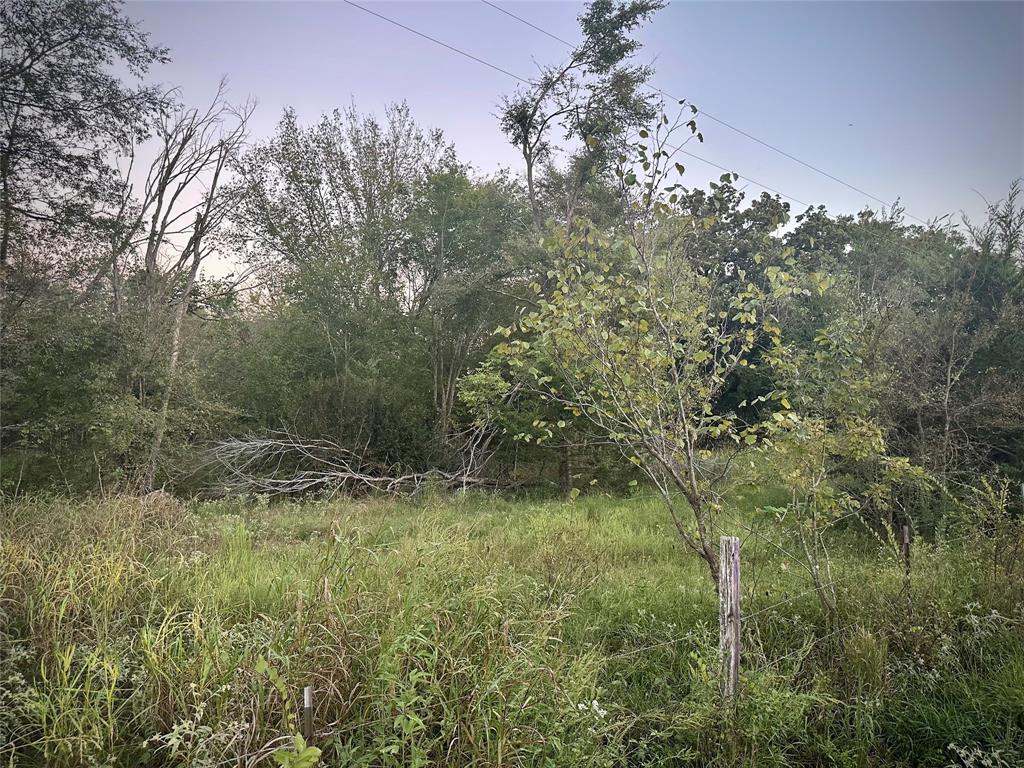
(479, 630)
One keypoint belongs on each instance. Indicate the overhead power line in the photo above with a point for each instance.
(530, 24)
(755, 182)
(720, 121)
(503, 71)
(434, 40)
(794, 158)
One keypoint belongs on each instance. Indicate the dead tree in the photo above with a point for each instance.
(186, 203)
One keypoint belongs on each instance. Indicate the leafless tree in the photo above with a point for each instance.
(173, 226)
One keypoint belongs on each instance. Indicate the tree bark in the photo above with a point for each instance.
(564, 470)
(149, 477)
(5, 203)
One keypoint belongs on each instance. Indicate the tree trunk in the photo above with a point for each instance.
(149, 476)
(531, 193)
(564, 470)
(6, 207)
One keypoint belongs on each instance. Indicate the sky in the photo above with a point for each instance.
(918, 100)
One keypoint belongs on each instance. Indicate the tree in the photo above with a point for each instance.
(196, 147)
(390, 266)
(340, 193)
(64, 109)
(836, 462)
(589, 103)
(940, 313)
(636, 342)
(461, 273)
(592, 99)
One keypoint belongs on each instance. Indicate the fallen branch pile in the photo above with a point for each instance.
(283, 463)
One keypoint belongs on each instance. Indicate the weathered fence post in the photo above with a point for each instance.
(307, 714)
(905, 549)
(729, 614)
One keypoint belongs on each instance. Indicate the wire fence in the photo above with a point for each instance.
(832, 583)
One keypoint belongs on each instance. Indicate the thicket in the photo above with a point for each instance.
(372, 269)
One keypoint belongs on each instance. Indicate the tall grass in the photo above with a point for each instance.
(481, 631)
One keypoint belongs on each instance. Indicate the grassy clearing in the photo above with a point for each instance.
(482, 631)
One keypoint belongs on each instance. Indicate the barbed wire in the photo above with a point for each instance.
(761, 611)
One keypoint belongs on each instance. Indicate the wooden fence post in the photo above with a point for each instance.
(729, 614)
(307, 714)
(905, 548)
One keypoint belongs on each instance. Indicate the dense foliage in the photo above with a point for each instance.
(347, 307)
(371, 267)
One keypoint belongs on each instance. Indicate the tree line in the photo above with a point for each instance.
(393, 317)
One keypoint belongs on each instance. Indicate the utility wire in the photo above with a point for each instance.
(434, 40)
(566, 43)
(724, 123)
(514, 76)
(755, 182)
(796, 159)
(530, 24)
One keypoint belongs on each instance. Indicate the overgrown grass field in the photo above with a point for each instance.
(484, 631)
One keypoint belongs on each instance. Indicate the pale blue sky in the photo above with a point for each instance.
(923, 100)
